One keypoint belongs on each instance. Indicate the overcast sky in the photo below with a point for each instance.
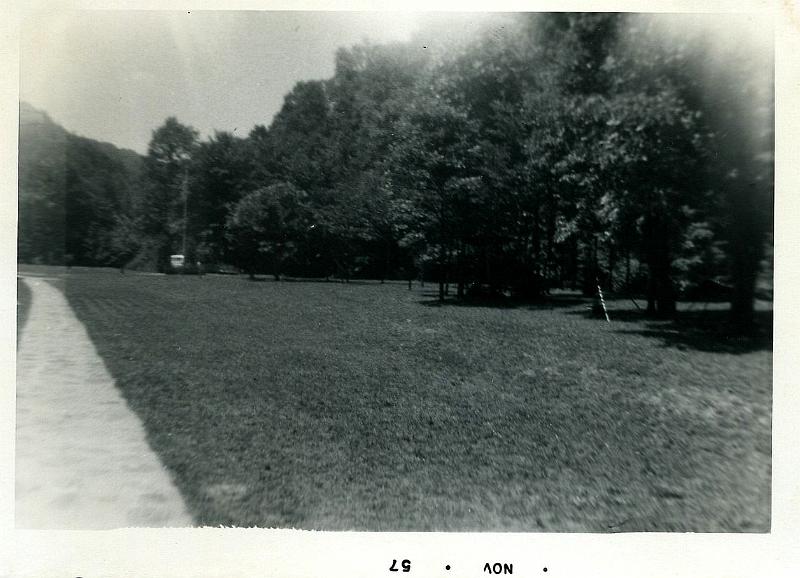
(115, 76)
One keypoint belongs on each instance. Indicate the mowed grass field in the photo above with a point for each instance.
(368, 407)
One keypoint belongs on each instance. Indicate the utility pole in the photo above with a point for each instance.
(185, 191)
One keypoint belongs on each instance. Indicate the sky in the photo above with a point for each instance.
(117, 75)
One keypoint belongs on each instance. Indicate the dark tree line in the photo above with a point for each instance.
(75, 194)
(555, 150)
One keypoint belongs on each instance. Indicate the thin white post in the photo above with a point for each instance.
(185, 191)
(603, 303)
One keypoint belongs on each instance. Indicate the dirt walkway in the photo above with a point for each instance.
(82, 459)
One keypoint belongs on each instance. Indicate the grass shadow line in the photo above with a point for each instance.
(546, 302)
(709, 331)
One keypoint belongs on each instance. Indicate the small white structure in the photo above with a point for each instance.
(176, 261)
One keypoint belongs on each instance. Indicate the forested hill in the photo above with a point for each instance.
(72, 193)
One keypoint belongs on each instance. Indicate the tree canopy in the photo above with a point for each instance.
(542, 150)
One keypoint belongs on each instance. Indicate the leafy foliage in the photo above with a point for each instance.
(266, 226)
(539, 150)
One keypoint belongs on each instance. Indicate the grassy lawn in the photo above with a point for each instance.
(368, 407)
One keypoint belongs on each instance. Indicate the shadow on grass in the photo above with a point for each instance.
(337, 281)
(547, 302)
(709, 330)
(327, 281)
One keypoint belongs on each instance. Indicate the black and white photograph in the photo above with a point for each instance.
(395, 271)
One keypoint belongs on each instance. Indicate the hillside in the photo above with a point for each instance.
(72, 190)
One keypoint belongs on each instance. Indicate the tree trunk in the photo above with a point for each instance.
(666, 304)
(460, 269)
(746, 249)
(575, 250)
(551, 235)
(651, 295)
(536, 237)
(276, 269)
(661, 297)
(589, 280)
(745, 267)
(612, 261)
(627, 269)
(386, 260)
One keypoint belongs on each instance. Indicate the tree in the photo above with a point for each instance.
(167, 170)
(223, 171)
(296, 148)
(500, 240)
(655, 151)
(368, 93)
(126, 241)
(101, 183)
(266, 227)
(738, 103)
(433, 160)
(728, 83)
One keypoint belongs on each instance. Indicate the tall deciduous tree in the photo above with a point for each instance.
(728, 82)
(296, 148)
(167, 168)
(223, 172)
(266, 227)
(435, 156)
(739, 107)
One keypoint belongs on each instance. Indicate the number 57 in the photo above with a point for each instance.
(405, 564)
